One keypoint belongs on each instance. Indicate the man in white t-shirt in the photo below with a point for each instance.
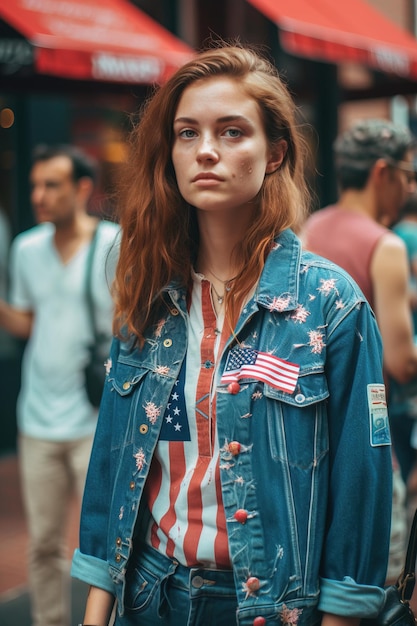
(48, 306)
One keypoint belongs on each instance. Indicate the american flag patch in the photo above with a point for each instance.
(249, 363)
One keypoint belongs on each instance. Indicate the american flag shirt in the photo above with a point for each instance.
(183, 489)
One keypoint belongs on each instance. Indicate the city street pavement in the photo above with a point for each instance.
(14, 599)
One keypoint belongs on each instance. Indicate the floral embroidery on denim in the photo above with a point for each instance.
(316, 341)
(279, 303)
(140, 459)
(290, 617)
(327, 286)
(300, 314)
(340, 304)
(159, 327)
(163, 370)
(152, 411)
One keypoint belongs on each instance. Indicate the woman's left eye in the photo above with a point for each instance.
(233, 132)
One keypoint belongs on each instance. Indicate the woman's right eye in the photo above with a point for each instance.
(187, 133)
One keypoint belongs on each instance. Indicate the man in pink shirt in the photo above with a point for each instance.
(376, 174)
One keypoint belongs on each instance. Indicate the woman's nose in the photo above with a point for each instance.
(207, 148)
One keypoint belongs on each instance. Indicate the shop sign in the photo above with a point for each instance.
(132, 69)
(390, 60)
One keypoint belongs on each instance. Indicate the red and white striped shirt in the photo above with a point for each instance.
(183, 489)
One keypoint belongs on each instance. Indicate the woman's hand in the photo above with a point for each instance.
(99, 607)
(337, 620)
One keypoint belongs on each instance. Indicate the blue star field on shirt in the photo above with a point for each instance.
(175, 425)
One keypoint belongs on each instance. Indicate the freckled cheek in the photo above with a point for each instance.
(245, 169)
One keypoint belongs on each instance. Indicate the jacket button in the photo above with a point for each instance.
(167, 343)
(132, 485)
(234, 448)
(118, 558)
(252, 584)
(126, 385)
(233, 387)
(300, 397)
(259, 621)
(241, 516)
(118, 541)
(143, 429)
(174, 312)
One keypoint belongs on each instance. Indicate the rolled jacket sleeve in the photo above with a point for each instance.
(93, 571)
(347, 597)
(90, 562)
(356, 547)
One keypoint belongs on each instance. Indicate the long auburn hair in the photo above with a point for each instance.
(159, 229)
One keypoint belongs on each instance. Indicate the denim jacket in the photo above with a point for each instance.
(312, 468)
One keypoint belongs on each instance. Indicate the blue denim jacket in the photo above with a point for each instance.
(314, 466)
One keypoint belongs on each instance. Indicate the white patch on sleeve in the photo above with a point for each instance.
(378, 416)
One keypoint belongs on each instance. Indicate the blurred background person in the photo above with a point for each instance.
(403, 398)
(5, 239)
(375, 171)
(48, 307)
(406, 228)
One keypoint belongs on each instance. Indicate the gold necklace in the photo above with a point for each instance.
(225, 282)
(220, 298)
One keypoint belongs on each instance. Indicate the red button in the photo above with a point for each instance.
(252, 583)
(233, 388)
(259, 621)
(241, 516)
(234, 448)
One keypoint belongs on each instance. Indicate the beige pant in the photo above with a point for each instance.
(50, 472)
(399, 528)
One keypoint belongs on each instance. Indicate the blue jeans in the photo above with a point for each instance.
(161, 592)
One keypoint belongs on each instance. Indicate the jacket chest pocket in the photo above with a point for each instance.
(126, 386)
(297, 423)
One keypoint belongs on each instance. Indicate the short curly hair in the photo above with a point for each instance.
(357, 149)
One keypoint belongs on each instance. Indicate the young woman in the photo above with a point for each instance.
(241, 469)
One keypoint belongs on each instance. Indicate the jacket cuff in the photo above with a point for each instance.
(349, 599)
(93, 571)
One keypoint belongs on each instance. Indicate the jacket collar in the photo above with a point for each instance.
(279, 282)
(278, 286)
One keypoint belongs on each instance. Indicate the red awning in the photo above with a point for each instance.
(109, 40)
(337, 32)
